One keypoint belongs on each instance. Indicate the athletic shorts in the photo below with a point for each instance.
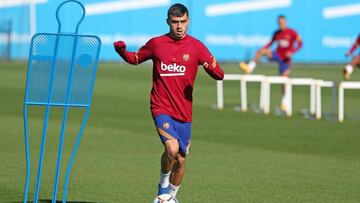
(283, 65)
(168, 129)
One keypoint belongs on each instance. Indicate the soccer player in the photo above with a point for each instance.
(285, 38)
(176, 57)
(349, 68)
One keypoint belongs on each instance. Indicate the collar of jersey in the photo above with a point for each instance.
(182, 39)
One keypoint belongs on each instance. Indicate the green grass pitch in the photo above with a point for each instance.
(235, 157)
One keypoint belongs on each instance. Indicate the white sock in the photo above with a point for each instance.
(173, 189)
(164, 179)
(252, 65)
(284, 100)
(349, 69)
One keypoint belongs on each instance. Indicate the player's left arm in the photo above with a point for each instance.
(209, 63)
(298, 44)
(297, 47)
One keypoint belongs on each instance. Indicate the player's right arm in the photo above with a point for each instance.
(354, 46)
(134, 58)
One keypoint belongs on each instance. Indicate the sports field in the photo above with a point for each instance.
(235, 157)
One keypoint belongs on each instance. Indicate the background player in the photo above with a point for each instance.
(285, 38)
(349, 68)
(176, 57)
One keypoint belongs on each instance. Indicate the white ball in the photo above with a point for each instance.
(164, 198)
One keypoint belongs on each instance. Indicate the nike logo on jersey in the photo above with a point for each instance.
(172, 69)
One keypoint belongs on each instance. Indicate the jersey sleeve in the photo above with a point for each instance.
(354, 46)
(298, 40)
(268, 45)
(143, 54)
(209, 63)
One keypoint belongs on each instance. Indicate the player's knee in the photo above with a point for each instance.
(172, 151)
(286, 73)
(171, 154)
(259, 53)
(180, 160)
(263, 51)
(171, 148)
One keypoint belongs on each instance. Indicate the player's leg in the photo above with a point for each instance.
(178, 170)
(284, 70)
(168, 159)
(166, 130)
(249, 68)
(169, 156)
(184, 132)
(349, 68)
(177, 174)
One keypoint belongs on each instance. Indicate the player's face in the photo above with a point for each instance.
(282, 23)
(178, 26)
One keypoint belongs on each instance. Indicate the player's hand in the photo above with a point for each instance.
(119, 46)
(348, 54)
(289, 54)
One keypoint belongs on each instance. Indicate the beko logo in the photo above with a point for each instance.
(174, 69)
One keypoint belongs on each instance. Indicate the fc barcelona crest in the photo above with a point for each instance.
(166, 125)
(186, 57)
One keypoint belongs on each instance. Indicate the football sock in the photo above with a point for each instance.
(164, 179)
(284, 101)
(349, 69)
(252, 65)
(173, 189)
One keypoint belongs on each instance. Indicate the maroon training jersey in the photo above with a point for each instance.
(358, 42)
(175, 64)
(355, 45)
(285, 40)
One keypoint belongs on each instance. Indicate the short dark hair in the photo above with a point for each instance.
(177, 10)
(281, 16)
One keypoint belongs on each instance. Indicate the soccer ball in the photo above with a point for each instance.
(165, 198)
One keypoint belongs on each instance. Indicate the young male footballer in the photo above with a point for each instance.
(349, 68)
(176, 57)
(285, 38)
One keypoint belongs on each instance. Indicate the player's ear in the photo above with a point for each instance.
(168, 21)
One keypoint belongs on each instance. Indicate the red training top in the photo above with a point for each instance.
(175, 64)
(285, 40)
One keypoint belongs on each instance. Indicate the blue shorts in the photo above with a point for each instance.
(169, 129)
(283, 65)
